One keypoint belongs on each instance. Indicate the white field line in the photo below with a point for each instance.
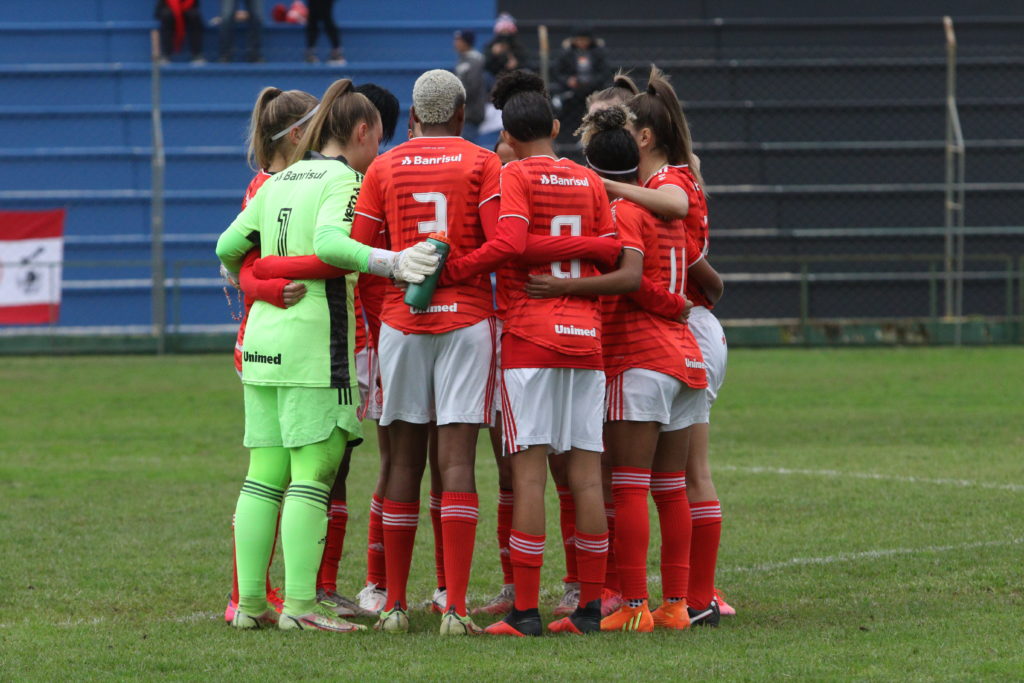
(865, 555)
(840, 474)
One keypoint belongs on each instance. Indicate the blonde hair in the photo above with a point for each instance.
(341, 110)
(275, 111)
(437, 95)
(622, 90)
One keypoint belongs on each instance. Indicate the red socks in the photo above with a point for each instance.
(611, 575)
(567, 520)
(591, 556)
(337, 519)
(707, 531)
(435, 523)
(504, 529)
(630, 486)
(375, 571)
(400, 520)
(527, 554)
(669, 491)
(459, 513)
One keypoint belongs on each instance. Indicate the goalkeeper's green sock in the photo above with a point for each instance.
(303, 529)
(255, 523)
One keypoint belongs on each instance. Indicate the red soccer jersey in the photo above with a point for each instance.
(696, 217)
(425, 185)
(556, 197)
(255, 184)
(634, 338)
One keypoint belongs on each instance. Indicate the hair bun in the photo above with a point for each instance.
(514, 83)
(609, 118)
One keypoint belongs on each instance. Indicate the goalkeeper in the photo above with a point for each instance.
(300, 384)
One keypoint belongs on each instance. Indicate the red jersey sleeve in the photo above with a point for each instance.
(271, 291)
(629, 225)
(295, 268)
(490, 180)
(371, 202)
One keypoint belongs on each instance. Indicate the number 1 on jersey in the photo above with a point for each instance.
(283, 217)
(440, 222)
(575, 226)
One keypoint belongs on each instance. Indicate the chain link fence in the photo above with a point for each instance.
(824, 149)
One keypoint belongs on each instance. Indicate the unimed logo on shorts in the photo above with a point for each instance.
(574, 331)
(260, 358)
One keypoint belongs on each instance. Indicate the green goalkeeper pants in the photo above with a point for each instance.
(303, 515)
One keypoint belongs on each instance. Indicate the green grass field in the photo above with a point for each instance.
(874, 529)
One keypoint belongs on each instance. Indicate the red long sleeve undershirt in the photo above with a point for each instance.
(655, 299)
(255, 288)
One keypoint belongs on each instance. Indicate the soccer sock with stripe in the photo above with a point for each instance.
(337, 520)
(707, 532)
(505, 499)
(611, 575)
(669, 492)
(459, 514)
(435, 524)
(591, 556)
(630, 486)
(400, 521)
(303, 528)
(527, 552)
(255, 521)
(567, 520)
(375, 569)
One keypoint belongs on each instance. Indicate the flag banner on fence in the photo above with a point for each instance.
(31, 258)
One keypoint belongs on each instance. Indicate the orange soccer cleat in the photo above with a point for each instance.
(628, 618)
(672, 615)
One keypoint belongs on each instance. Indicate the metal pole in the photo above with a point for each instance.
(157, 205)
(947, 23)
(545, 53)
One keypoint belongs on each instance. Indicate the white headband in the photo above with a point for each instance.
(307, 117)
(601, 170)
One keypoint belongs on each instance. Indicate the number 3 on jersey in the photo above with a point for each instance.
(575, 228)
(440, 222)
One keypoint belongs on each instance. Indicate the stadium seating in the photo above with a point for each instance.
(801, 124)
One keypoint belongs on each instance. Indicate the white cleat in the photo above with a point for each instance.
(371, 598)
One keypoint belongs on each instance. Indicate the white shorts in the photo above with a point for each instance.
(560, 407)
(447, 378)
(641, 395)
(711, 339)
(371, 398)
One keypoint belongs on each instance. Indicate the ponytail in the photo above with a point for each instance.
(274, 113)
(621, 91)
(658, 108)
(341, 110)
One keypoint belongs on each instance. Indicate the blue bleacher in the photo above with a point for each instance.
(75, 131)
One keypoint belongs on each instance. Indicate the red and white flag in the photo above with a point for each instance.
(31, 257)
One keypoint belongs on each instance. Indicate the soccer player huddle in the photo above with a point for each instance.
(578, 329)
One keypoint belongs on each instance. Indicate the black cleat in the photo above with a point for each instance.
(709, 616)
(587, 619)
(517, 623)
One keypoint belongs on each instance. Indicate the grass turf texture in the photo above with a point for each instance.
(118, 478)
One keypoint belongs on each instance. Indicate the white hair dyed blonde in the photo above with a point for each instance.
(437, 95)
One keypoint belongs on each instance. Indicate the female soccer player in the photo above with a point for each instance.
(553, 384)
(276, 124)
(297, 365)
(673, 187)
(656, 390)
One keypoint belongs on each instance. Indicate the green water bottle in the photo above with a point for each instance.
(419, 295)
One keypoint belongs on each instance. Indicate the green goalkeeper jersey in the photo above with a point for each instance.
(309, 344)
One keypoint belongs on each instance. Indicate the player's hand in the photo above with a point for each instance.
(293, 293)
(546, 287)
(229, 277)
(417, 263)
(685, 315)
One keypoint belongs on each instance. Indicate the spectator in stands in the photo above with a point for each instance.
(229, 14)
(178, 19)
(469, 67)
(322, 12)
(505, 53)
(581, 69)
